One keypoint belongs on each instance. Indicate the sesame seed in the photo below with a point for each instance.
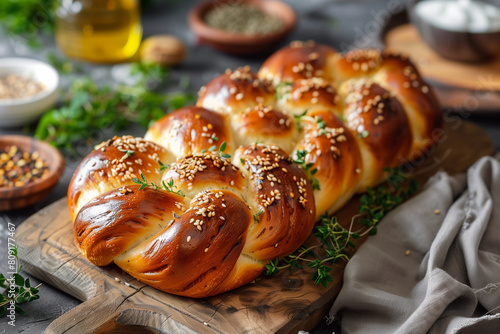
(188, 238)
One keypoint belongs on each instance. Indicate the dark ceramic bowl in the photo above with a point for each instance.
(458, 46)
(239, 43)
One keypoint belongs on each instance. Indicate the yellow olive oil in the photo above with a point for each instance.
(102, 31)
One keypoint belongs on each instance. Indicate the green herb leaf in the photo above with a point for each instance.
(298, 120)
(163, 166)
(283, 89)
(363, 134)
(336, 240)
(256, 216)
(18, 290)
(222, 147)
(87, 110)
(18, 279)
(300, 159)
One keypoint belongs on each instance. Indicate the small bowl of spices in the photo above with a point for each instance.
(29, 171)
(28, 87)
(242, 26)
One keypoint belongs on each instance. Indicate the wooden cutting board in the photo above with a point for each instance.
(114, 302)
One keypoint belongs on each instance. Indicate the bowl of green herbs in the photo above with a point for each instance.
(242, 26)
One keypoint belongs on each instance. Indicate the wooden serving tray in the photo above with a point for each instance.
(115, 302)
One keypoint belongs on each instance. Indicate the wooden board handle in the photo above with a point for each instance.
(92, 316)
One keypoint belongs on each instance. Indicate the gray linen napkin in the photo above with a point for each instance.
(430, 271)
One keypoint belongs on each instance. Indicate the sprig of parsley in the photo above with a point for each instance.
(336, 240)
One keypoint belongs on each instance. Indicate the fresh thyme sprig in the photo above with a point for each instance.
(88, 109)
(163, 166)
(169, 186)
(336, 240)
(300, 159)
(18, 290)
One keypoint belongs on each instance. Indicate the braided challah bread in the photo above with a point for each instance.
(293, 141)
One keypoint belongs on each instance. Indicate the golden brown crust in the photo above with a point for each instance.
(333, 158)
(308, 95)
(189, 130)
(113, 164)
(204, 171)
(306, 133)
(235, 91)
(282, 199)
(401, 76)
(113, 222)
(380, 123)
(299, 60)
(357, 63)
(197, 251)
(266, 125)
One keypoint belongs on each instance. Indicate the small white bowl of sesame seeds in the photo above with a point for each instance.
(28, 88)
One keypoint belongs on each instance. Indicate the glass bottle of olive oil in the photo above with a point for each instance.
(103, 31)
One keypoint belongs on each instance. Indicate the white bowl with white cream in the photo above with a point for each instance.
(28, 87)
(462, 30)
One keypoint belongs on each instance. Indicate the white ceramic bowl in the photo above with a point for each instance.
(21, 111)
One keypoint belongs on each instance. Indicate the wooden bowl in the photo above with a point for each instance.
(456, 45)
(242, 44)
(33, 192)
